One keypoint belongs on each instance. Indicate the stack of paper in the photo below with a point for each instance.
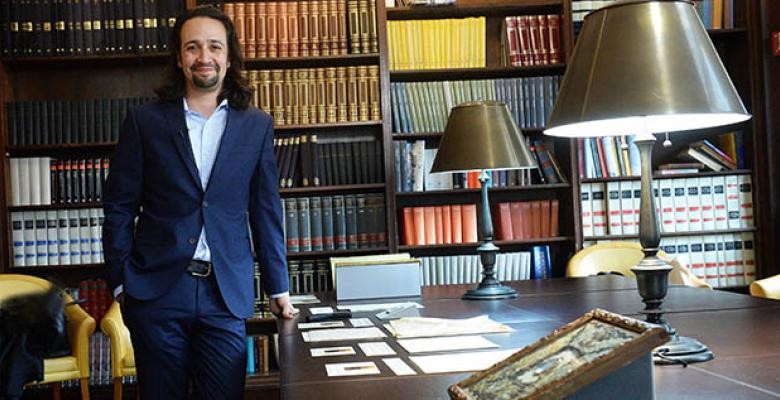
(425, 327)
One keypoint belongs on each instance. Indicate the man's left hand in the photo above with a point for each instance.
(282, 308)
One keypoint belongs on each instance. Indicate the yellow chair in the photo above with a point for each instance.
(767, 287)
(620, 257)
(80, 327)
(122, 357)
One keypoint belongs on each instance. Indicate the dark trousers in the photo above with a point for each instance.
(187, 336)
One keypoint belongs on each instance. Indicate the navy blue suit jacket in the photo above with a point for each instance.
(154, 177)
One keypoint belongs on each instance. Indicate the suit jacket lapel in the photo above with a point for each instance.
(229, 137)
(177, 128)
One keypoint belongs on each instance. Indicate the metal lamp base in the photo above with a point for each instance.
(682, 350)
(490, 292)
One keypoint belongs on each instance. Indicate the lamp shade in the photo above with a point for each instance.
(643, 66)
(481, 135)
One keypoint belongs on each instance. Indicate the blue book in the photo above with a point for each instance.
(250, 355)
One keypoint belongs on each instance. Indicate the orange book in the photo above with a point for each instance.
(472, 180)
(429, 216)
(419, 225)
(439, 214)
(457, 224)
(292, 29)
(554, 208)
(408, 226)
(536, 217)
(446, 223)
(272, 42)
(518, 225)
(503, 217)
(469, 214)
(251, 35)
(281, 30)
(261, 30)
(545, 217)
(528, 221)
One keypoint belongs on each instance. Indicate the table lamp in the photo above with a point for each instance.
(481, 135)
(645, 67)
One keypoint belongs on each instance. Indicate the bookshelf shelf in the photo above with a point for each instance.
(371, 187)
(438, 135)
(675, 234)
(56, 206)
(336, 253)
(476, 192)
(263, 380)
(261, 326)
(448, 74)
(327, 126)
(673, 176)
(469, 9)
(725, 32)
(58, 149)
(86, 60)
(499, 243)
(54, 268)
(312, 62)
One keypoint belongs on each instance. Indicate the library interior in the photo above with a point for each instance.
(469, 199)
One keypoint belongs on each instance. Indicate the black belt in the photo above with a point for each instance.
(199, 268)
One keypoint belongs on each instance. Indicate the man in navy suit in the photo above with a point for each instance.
(193, 185)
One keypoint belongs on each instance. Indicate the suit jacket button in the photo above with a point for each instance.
(192, 240)
(205, 204)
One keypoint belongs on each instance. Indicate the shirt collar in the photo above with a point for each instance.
(222, 105)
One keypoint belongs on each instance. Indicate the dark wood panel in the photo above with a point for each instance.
(489, 72)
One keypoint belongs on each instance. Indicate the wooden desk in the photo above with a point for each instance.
(743, 332)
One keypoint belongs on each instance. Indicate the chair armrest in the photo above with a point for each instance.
(80, 327)
(113, 326)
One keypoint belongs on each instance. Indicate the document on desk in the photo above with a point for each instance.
(351, 369)
(320, 310)
(360, 322)
(303, 299)
(323, 324)
(337, 334)
(410, 327)
(376, 349)
(449, 343)
(398, 366)
(332, 351)
(375, 306)
(460, 362)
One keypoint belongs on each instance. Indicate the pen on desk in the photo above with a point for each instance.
(360, 367)
(338, 350)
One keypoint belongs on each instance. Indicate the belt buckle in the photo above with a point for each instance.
(204, 274)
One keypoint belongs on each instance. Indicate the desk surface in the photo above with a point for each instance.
(742, 331)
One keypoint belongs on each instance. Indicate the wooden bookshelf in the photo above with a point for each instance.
(657, 176)
(448, 74)
(499, 243)
(336, 253)
(475, 8)
(674, 234)
(325, 190)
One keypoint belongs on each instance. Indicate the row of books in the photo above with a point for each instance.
(303, 161)
(307, 28)
(425, 106)
(413, 164)
(723, 260)
(522, 220)
(442, 224)
(532, 40)
(57, 237)
(318, 95)
(461, 269)
(309, 276)
(439, 43)
(45, 181)
(257, 354)
(353, 221)
(36, 122)
(581, 8)
(86, 27)
(716, 14)
(683, 205)
(712, 157)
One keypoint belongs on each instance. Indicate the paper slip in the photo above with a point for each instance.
(410, 327)
(375, 306)
(445, 343)
(323, 324)
(304, 299)
(460, 362)
(376, 349)
(398, 366)
(332, 351)
(360, 322)
(353, 368)
(336, 334)
(320, 310)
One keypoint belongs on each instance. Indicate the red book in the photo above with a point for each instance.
(526, 215)
(554, 47)
(513, 45)
(554, 210)
(503, 222)
(429, 219)
(457, 223)
(524, 39)
(518, 227)
(544, 42)
(536, 217)
(419, 225)
(544, 215)
(472, 180)
(469, 221)
(408, 226)
(439, 216)
(537, 56)
(446, 219)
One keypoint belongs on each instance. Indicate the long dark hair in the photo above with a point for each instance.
(235, 87)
